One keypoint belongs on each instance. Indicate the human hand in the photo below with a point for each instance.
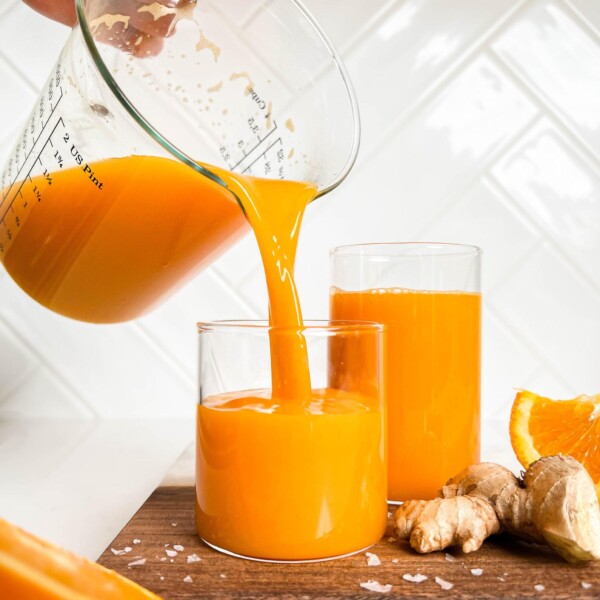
(137, 27)
(62, 11)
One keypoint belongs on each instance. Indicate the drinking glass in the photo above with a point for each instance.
(290, 479)
(428, 296)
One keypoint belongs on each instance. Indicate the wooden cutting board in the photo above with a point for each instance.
(510, 569)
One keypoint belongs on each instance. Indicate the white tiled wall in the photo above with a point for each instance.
(481, 124)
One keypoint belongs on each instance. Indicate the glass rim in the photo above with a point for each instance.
(163, 140)
(310, 326)
(384, 249)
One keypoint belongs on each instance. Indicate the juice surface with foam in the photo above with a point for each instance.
(432, 380)
(285, 481)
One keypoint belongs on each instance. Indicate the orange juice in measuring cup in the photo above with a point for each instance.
(109, 201)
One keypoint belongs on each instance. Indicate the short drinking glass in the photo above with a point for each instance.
(290, 479)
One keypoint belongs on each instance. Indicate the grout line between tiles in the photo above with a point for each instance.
(9, 6)
(7, 391)
(367, 30)
(21, 75)
(146, 334)
(582, 20)
(475, 174)
(525, 341)
(234, 292)
(538, 97)
(577, 271)
(52, 370)
(426, 96)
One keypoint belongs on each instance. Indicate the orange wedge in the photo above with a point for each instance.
(543, 427)
(32, 569)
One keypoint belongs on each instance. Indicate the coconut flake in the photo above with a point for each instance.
(136, 541)
(449, 557)
(162, 578)
(120, 552)
(223, 576)
(375, 586)
(171, 553)
(163, 559)
(445, 585)
(418, 578)
(127, 549)
(188, 579)
(178, 547)
(372, 559)
(138, 562)
(539, 587)
(477, 572)
(193, 558)
(174, 524)
(391, 539)
(395, 560)
(585, 585)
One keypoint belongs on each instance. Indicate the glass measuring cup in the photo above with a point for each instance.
(105, 209)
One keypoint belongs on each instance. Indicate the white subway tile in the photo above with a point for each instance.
(396, 193)
(41, 395)
(484, 218)
(109, 366)
(238, 261)
(31, 42)
(556, 312)
(506, 366)
(412, 46)
(17, 98)
(207, 298)
(343, 22)
(16, 361)
(544, 382)
(561, 63)
(588, 10)
(6, 6)
(559, 190)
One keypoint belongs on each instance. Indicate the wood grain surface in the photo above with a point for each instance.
(510, 569)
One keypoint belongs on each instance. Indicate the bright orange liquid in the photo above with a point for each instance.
(282, 481)
(112, 254)
(274, 209)
(432, 381)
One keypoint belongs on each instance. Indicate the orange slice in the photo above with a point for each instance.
(543, 427)
(32, 569)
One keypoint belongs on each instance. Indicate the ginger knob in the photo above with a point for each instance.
(555, 502)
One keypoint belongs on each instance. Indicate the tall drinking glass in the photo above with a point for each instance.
(290, 479)
(428, 296)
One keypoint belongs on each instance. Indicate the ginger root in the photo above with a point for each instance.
(555, 503)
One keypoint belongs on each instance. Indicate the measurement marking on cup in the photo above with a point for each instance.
(9, 188)
(278, 140)
(260, 141)
(46, 174)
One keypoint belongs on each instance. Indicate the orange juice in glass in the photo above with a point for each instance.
(428, 296)
(289, 478)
